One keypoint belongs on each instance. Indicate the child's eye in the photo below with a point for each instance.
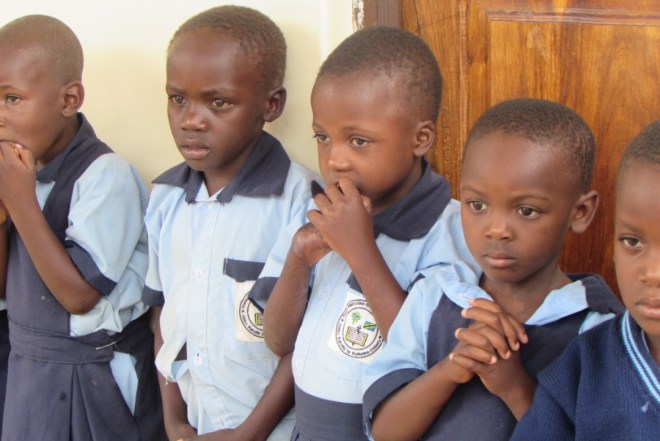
(528, 212)
(476, 206)
(176, 99)
(320, 137)
(632, 243)
(12, 99)
(219, 103)
(359, 142)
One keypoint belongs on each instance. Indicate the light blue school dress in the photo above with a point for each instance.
(423, 334)
(339, 336)
(87, 376)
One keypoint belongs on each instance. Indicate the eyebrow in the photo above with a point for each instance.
(625, 225)
(204, 93)
(470, 188)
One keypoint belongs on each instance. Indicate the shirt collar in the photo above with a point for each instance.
(263, 174)
(414, 215)
(461, 286)
(52, 170)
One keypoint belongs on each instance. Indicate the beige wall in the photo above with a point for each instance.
(124, 43)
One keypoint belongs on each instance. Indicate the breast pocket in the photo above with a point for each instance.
(248, 342)
(248, 319)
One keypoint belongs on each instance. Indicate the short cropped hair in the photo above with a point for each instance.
(397, 54)
(258, 37)
(545, 123)
(61, 51)
(643, 149)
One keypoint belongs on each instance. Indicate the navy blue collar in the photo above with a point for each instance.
(414, 215)
(52, 170)
(263, 174)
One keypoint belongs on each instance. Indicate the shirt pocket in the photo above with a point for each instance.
(247, 338)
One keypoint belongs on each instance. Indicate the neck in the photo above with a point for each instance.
(522, 298)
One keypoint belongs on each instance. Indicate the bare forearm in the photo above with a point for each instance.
(174, 407)
(52, 262)
(409, 412)
(284, 312)
(275, 403)
(380, 288)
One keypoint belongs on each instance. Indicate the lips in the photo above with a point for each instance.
(649, 307)
(498, 259)
(193, 149)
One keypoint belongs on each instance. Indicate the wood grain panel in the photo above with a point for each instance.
(441, 24)
(599, 57)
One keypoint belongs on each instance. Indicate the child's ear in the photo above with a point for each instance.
(73, 95)
(424, 137)
(276, 102)
(584, 211)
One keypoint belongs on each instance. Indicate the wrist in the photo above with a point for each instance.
(297, 258)
(248, 433)
(519, 396)
(366, 256)
(451, 372)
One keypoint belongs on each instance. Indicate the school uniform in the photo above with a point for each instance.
(423, 334)
(87, 376)
(205, 253)
(605, 387)
(339, 335)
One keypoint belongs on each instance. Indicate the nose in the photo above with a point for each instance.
(336, 157)
(193, 119)
(651, 272)
(498, 228)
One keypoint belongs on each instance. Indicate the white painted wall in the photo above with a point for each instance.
(124, 42)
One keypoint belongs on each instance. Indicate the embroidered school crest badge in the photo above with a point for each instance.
(251, 318)
(248, 320)
(356, 333)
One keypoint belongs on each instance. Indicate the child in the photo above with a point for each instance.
(606, 384)
(384, 216)
(212, 222)
(453, 367)
(81, 361)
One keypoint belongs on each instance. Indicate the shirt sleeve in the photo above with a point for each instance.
(106, 221)
(264, 285)
(403, 357)
(152, 294)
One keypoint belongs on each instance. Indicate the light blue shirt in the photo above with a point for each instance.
(205, 252)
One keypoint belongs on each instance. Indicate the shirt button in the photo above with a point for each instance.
(198, 272)
(198, 360)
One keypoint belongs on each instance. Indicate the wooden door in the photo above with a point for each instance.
(599, 57)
